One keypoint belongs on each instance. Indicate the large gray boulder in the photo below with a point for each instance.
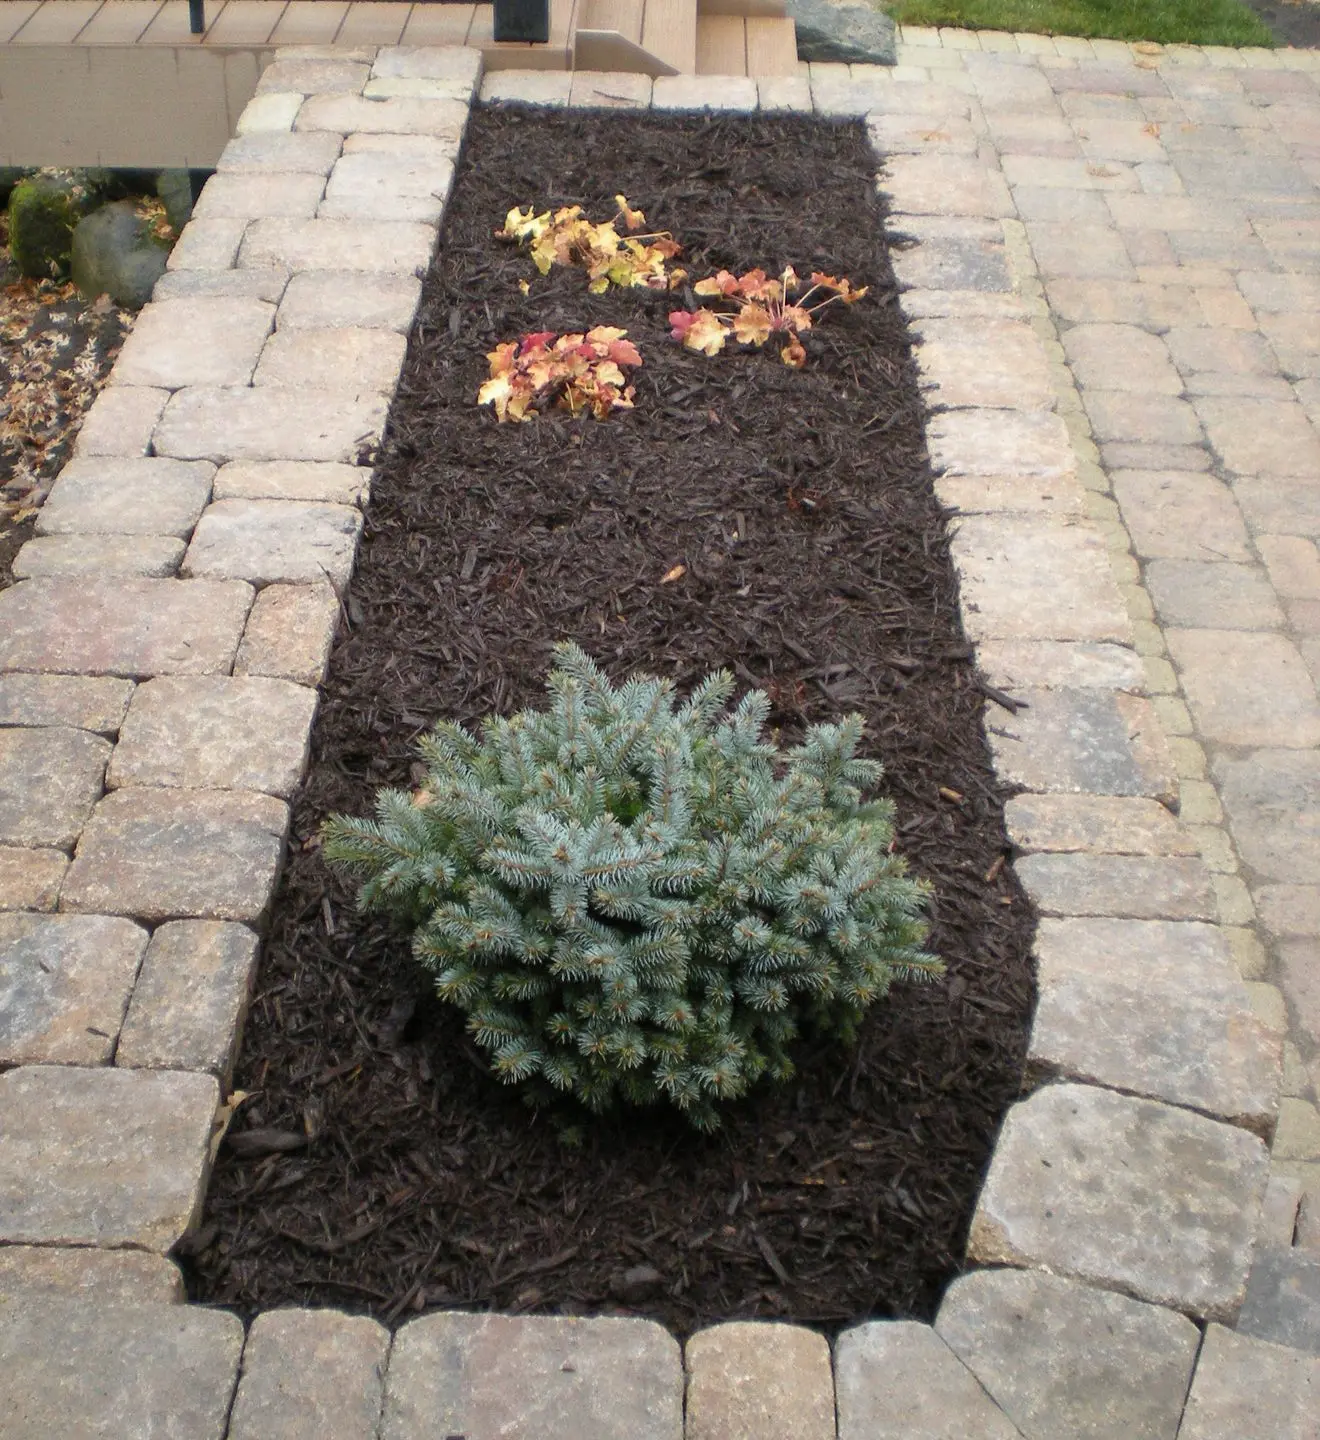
(852, 31)
(115, 253)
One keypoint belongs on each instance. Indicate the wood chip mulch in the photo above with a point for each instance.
(375, 1166)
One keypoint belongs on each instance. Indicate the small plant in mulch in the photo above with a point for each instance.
(643, 903)
(567, 237)
(572, 372)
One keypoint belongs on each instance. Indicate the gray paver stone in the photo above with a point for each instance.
(1080, 252)
(1227, 597)
(1090, 741)
(398, 115)
(955, 263)
(198, 341)
(1273, 802)
(126, 627)
(315, 77)
(1018, 665)
(122, 496)
(289, 633)
(1247, 689)
(320, 300)
(749, 1381)
(252, 195)
(270, 423)
(85, 1371)
(374, 246)
(83, 702)
(984, 362)
(933, 184)
(1257, 437)
(269, 152)
(49, 781)
(426, 62)
(132, 1277)
(343, 358)
(60, 557)
(1131, 1195)
(1062, 1359)
(1028, 577)
(1283, 1298)
(215, 732)
(1248, 1389)
(382, 186)
(503, 1377)
(207, 245)
(30, 879)
(1279, 505)
(735, 93)
(1139, 887)
(1121, 415)
(1000, 442)
(222, 284)
(270, 541)
(121, 421)
(102, 1157)
(1156, 1009)
(897, 1380)
(1120, 357)
(191, 998)
(1095, 824)
(317, 480)
(64, 986)
(310, 1375)
(178, 854)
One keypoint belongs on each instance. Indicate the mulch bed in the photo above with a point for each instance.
(376, 1166)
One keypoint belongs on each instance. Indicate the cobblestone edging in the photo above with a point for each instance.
(159, 725)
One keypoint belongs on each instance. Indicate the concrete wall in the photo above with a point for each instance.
(122, 105)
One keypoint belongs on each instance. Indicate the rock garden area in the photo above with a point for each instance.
(775, 520)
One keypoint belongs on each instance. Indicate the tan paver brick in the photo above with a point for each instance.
(1247, 689)
(748, 1381)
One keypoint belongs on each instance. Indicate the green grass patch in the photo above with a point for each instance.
(1188, 22)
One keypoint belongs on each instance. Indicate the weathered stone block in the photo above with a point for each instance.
(191, 999)
(1261, 437)
(1273, 803)
(222, 284)
(1094, 824)
(1180, 515)
(1026, 577)
(1212, 594)
(66, 980)
(1062, 1359)
(748, 1381)
(1120, 415)
(382, 186)
(122, 627)
(1283, 1298)
(122, 496)
(215, 733)
(525, 1377)
(121, 421)
(176, 854)
(321, 300)
(315, 77)
(49, 781)
(372, 246)
(1134, 886)
(704, 92)
(1000, 442)
(31, 1273)
(270, 541)
(1247, 1389)
(897, 1380)
(311, 1375)
(1019, 665)
(933, 184)
(271, 152)
(30, 879)
(198, 341)
(1155, 1009)
(399, 115)
(1088, 741)
(984, 362)
(274, 112)
(61, 557)
(73, 1368)
(207, 245)
(1131, 1195)
(1011, 494)
(1082, 252)
(1120, 357)
(344, 358)
(102, 1157)
(439, 62)
(1247, 689)
(335, 484)
(270, 424)
(289, 633)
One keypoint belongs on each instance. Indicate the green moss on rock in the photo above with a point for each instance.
(44, 209)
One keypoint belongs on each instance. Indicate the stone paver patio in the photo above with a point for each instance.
(1115, 283)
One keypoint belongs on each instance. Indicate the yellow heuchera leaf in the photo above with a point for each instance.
(706, 333)
(793, 355)
(751, 325)
(795, 318)
(633, 219)
(496, 391)
(721, 283)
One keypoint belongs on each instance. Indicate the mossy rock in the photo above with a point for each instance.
(43, 210)
(117, 252)
(10, 175)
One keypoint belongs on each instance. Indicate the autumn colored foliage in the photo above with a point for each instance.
(568, 238)
(573, 372)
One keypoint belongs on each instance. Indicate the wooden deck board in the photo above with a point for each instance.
(119, 22)
(57, 24)
(14, 14)
(309, 22)
(721, 45)
(771, 46)
(245, 22)
(669, 31)
(372, 22)
(170, 27)
(438, 24)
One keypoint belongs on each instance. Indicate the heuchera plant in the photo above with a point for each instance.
(568, 238)
(573, 372)
(760, 308)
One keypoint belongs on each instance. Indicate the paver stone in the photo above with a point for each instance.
(1248, 1389)
(1283, 1298)
(1131, 1195)
(1212, 594)
(897, 1380)
(344, 357)
(86, 1371)
(179, 854)
(82, 702)
(1000, 442)
(30, 879)
(63, 557)
(1138, 887)
(289, 633)
(120, 495)
(124, 627)
(191, 999)
(1246, 688)
(197, 341)
(320, 300)
(398, 115)
(121, 420)
(49, 781)
(310, 1375)
(1062, 1359)
(1120, 357)
(533, 1378)
(270, 423)
(752, 1381)
(1018, 665)
(1094, 824)
(985, 362)
(272, 152)
(102, 1157)
(275, 541)
(130, 1277)
(64, 986)
(1257, 437)
(1273, 802)
(317, 480)
(933, 184)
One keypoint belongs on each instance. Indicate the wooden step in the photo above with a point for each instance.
(771, 46)
(746, 45)
(646, 37)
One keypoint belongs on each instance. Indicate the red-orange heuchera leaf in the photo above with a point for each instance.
(536, 341)
(704, 331)
(721, 283)
(574, 372)
(794, 317)
(793, 355)
(752, 325)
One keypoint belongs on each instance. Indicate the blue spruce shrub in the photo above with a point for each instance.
(635, 900)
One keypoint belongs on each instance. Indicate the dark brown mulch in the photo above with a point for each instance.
(376, 1165)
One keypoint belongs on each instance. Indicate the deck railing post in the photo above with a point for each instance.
(197, 16)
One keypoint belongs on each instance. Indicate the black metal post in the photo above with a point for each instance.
(525, 20)
(197, 16)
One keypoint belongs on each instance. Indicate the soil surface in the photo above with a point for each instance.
(1294, 22)
(375, 1165)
